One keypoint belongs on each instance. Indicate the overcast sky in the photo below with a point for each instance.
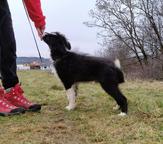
(65, 16)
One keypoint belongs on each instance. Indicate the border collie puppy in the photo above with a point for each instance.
(73, 68)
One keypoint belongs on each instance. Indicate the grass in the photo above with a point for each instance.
(93, 122)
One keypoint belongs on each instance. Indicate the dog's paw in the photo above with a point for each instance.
(117, 107)
(122, 114)
(69, 107)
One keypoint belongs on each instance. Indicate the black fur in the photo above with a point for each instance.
(72, 68)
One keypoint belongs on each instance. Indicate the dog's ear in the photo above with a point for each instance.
(68, 45)
(64, 40)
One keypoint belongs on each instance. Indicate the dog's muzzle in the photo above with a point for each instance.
(44, 34)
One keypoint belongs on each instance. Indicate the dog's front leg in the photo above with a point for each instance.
(71, 96)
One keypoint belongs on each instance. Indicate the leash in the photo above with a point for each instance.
(32, 31)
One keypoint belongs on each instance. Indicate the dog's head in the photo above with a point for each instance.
(57, 43)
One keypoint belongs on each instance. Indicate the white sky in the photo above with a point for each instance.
(65, 16)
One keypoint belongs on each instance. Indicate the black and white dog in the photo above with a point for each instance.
(73, 68)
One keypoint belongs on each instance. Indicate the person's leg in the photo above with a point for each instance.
(8, 62)
(8, 47)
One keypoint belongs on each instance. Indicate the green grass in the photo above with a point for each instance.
(93, 121)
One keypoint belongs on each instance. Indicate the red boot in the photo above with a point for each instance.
(17, 98)
(6, 108)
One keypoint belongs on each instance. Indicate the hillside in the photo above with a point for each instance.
(27, 60)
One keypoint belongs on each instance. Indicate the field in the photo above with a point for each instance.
(93, 121)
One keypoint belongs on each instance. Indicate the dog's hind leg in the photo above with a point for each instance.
(121, 100)
(71, 96)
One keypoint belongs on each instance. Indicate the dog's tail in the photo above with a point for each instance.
(119, 71)
(117, 63)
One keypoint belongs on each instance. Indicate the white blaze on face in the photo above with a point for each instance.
(71, 98)
(53, 33)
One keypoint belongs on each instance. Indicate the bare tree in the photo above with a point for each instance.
(137, 24)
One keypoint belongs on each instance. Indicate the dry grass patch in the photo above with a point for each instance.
(93, 122)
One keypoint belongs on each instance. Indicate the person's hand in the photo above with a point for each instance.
(40, 31)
